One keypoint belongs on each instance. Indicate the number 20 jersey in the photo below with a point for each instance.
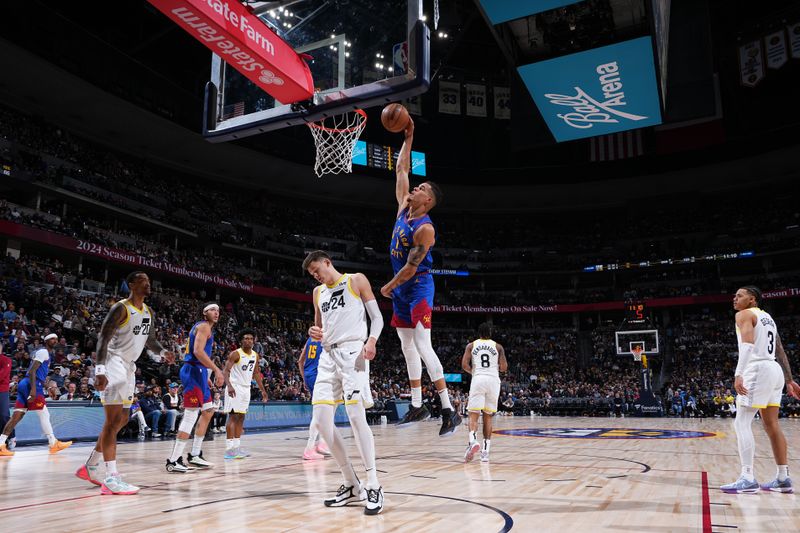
(131, 336)
(485, 358)
(343, 315)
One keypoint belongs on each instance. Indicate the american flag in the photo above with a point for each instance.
(234, 110)
(616, 146)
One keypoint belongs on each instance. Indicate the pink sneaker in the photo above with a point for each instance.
(322, 449)
(310, 455)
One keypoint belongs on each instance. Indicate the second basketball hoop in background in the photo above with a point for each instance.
(394, 117)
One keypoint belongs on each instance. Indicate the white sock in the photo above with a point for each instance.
(364, 441)
(237, 442)
(416, 396)
(372, 478)
(197, 445)
(51, 439)
(783, 472)
(111, 468)
(747, 472)
(229, 444)
(3, 439)
(177, 449)
(445, 399)
(473, 436)
(94, 458)
(486, 445)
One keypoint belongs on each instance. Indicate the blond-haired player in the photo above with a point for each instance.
(341, 305)
(484, 359)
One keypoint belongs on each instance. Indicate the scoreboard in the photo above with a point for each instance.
(385, 157)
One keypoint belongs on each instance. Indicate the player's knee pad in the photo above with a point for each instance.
(190, 416)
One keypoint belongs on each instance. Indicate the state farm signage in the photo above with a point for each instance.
(229, 30)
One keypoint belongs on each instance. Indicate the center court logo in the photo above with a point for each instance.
(605, 433)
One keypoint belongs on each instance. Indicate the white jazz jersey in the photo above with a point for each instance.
(242, 372)
(766, 336)
(485, 358)
(129, 339)
(343, 316)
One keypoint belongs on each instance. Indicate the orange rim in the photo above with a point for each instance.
(319, 126)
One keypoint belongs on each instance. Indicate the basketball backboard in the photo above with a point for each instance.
(362, 53)
(647, 339)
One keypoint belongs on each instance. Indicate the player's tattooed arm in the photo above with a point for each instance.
(783, 360)
(424, 238)
(115, 317)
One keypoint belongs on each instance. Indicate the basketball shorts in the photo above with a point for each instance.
(196, 393)
(23, 391)
(240, 402)
(342, 376)
(483, 394)
(764, 383)
(412, 302)
(121, 376)
(311, 379)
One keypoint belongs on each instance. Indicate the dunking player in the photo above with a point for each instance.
(340, 325)
(483, 359)
(411, 288)
(196, 393)
(762, 371)
(30, 397)
(240, 369)
(128, 328)
(308, 363)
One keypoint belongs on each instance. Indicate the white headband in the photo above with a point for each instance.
(51, 336)
(209, 307)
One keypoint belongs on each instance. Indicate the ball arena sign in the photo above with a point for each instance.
(605, 433)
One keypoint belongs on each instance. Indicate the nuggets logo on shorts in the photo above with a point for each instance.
(605, 433)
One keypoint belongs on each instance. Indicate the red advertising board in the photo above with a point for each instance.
(230, 30)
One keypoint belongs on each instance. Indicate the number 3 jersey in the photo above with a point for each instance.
(242, 371)
(485, 358)
(343, 315)
(131, 336)
(766, 335)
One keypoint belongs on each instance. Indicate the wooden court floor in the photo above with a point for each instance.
(579, 474)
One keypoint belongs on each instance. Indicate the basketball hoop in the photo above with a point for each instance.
(335, 138)
(637, 354)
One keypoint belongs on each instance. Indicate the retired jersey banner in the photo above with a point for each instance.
(502, 103)
(450, 97)
(504, 10)
(414, 105)
(596, 92)
(751, 63)
(476, 99)
(777, 55)
(242, 40)
(793, 30)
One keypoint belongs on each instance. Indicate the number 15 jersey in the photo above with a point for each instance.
(485, 358)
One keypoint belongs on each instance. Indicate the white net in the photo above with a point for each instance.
(637, 354)
(336, 138)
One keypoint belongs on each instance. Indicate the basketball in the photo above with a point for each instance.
(394, 117)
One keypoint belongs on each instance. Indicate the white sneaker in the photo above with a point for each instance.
(472, 449)
(374, 501)
(347, 495)
(115, 485)
(484, 456)
(90, 473)
(177, 466)
(197, 460)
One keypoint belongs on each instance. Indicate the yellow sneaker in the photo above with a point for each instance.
(5, 452)
(58, 446)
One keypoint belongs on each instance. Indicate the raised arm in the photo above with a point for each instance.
(424, 238)
(502, 361)
(403, 167)
(466, 359)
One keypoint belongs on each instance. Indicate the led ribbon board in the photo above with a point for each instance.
(504, 10)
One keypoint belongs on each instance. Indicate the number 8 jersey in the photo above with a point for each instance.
(485, 358)
(343, 315)
(765, 335)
